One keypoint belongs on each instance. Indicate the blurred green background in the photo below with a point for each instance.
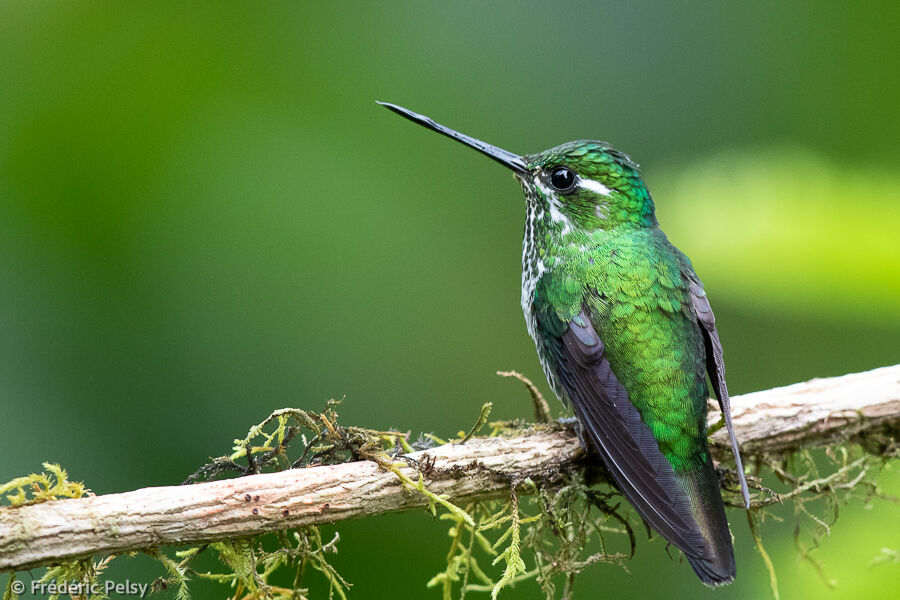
(204, 216)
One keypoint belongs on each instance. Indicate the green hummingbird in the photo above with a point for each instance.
(625, 335)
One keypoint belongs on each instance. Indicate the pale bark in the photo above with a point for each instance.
(807, 414)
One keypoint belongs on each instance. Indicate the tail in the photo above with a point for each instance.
(716, 564)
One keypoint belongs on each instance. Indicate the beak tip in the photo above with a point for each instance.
(393, 107)
(504, 157)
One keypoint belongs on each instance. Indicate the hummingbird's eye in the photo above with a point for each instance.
(562, 178)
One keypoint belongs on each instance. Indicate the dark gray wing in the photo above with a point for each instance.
(618, 433)
(715, 366)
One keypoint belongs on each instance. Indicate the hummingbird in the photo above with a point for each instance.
(625, 335)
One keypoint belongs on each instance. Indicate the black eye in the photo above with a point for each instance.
(562, 178)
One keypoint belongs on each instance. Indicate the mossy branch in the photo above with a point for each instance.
(853, 407)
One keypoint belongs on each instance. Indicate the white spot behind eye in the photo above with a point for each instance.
(594, 186)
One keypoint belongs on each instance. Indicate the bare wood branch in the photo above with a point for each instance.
(810, 413)
(815, 412)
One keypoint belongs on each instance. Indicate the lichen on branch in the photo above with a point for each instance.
(523, 505)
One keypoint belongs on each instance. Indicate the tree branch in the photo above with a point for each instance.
(771, 421)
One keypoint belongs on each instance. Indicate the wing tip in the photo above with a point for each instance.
(714, 572)
(739, 467)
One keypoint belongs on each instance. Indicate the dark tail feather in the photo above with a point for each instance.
(716, 566)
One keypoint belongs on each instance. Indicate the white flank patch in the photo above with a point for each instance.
(594, 186)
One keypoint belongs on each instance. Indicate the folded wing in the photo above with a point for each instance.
(715, 366)
(619, 435)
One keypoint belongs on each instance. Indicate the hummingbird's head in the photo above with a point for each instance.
(590, 184)
(594, 185)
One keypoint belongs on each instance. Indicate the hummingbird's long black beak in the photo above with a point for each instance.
(505, 158)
